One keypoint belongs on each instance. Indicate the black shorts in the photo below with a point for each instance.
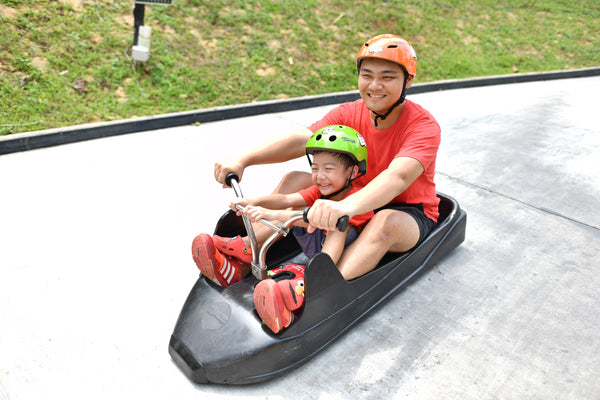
(426, 224)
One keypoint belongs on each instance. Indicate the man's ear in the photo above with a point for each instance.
(409, 81)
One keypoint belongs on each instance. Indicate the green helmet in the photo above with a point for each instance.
(340, 139)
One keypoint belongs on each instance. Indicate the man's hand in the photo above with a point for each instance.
(227, 166)
(324, 214)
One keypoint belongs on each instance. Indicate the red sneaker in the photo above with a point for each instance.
(234, 247)
(275, 299)
(220, 269)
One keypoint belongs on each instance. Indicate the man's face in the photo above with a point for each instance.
(380, 83)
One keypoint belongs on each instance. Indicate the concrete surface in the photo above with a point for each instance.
(95, 260)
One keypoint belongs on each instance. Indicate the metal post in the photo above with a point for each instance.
(138, 18)
(141, 33)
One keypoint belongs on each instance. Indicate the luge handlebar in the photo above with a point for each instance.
(231, 176)
(342, 223)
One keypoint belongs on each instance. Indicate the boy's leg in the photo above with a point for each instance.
(277, 299)
(388, 230)
(234, 247)
(221, 269)
(224, 270)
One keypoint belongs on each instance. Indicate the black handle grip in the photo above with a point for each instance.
(342, 223)
(305, 215)
(231, 176)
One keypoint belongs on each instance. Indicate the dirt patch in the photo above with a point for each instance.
(126, 19)
(468, 39)
(76, 4)
(41, 63)
(266, 71)
(96, 38)
(8, 12)
(274, 44)
(121, 94)
(419, 39)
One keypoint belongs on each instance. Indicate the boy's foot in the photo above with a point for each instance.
(275, 299)
(220, 269)
(234, 247)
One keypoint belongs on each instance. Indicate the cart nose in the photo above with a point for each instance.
(184, 358)
(217, 337)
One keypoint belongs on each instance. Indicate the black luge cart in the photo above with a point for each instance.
(219, 337)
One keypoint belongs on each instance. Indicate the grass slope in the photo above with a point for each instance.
(69, 62)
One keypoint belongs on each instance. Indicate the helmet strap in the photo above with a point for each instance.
(328, 196)
(346, 186)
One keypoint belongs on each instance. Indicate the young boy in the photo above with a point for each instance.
(339, 156)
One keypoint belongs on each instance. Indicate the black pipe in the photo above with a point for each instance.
(138, 18)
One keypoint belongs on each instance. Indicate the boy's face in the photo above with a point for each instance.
(329, 173)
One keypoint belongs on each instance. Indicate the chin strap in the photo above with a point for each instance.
(346, 186)
(396, 104)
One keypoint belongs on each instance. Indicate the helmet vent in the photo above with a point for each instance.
(318, 137)
(332, 138)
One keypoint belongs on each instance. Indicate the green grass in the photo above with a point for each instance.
(207, 54)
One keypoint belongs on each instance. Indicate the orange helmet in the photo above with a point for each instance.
(392, 48)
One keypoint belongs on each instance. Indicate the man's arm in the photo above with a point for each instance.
(400, 174)
(278, 150)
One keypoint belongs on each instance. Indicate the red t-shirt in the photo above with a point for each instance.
(312, 194)
(416, 134)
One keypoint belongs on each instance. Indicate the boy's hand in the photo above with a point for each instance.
(238, 202)
(256, 213)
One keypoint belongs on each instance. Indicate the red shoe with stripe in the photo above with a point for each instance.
(277, 299)
(234, 247)
(220, 269)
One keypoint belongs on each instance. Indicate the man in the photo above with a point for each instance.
(402, 140)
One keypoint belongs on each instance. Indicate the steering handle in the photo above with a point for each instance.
(341, 225)
(231, 176)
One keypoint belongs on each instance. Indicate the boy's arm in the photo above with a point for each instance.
(256, 213)
(334, 244)
(272, 201)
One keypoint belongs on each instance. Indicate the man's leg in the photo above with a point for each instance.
(388, 230)
(293, 182)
